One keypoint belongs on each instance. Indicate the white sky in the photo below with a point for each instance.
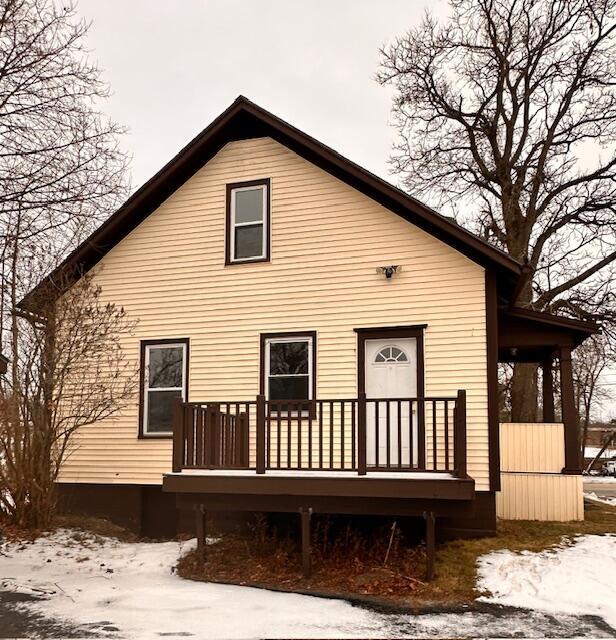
(175, 65)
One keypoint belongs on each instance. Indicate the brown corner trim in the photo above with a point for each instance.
(491, 303)
(143, 344)
(266, 182)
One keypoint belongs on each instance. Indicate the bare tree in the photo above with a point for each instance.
(71, 372)
(510, 109)
(590, 362)
(61, 174)
(61, 170)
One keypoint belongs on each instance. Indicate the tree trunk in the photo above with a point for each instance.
(524, 405)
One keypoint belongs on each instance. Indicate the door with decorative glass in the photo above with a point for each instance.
(391, 428)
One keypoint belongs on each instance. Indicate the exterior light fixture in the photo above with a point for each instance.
(388, 272)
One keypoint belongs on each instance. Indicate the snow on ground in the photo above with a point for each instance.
(591, 452)
(133, 587)
(576, 578)
(130, 590)
(600, 479)
(591, 495)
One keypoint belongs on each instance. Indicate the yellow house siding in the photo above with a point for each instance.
(327, 241)
(532, 485)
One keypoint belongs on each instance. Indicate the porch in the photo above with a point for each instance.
(540, 460)
(366, 456)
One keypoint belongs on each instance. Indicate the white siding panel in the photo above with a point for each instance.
(540, 496)
(532, 447)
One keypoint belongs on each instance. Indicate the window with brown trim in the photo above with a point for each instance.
(164, 378)
(248, 222)
(288, 366)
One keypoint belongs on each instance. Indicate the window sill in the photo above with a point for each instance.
(167, 435)
(233, 263)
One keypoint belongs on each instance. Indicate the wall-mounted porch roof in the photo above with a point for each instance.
(525, 335)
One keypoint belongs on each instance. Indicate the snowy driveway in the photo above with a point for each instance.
(123, 590)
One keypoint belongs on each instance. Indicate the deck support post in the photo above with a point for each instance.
(201, 530)
(306, 515)
(430, 543)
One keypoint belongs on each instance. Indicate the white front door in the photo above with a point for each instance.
(391, 372)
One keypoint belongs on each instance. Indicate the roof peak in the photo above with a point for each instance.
(244, 119)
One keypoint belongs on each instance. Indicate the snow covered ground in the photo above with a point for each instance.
(576, 578)
(591, 495)
(591, 452)
(594, 479)
(130, 590)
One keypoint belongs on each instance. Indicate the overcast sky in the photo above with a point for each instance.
(175, 65)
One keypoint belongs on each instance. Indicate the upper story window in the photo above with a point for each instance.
(248, 222)
(165, 378)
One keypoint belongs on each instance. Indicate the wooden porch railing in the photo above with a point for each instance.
(356, 434)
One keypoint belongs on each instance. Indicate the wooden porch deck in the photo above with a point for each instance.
(390, 456)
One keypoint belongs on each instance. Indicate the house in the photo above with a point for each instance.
(312, 339)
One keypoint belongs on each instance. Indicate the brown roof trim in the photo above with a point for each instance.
(242, 120)
(581, 326)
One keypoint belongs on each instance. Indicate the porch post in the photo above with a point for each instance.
(361, 434)
(178, 436)
(548, 391)
(569, 416)
(459, 436)
(260, 433)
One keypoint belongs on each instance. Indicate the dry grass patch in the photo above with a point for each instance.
(82, 525)
(351, 563)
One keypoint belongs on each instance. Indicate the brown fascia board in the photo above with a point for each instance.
(583, 326)
(243, 120)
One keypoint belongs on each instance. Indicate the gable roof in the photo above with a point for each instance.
(243, 120)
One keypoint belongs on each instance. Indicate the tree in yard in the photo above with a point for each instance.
(61, 170)
(71, 373)
(509, 110)
(590, 362)
(61, 174)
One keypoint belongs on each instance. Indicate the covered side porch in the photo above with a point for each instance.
(540, 461)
